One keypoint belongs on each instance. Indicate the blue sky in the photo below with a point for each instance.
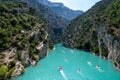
(78, 4)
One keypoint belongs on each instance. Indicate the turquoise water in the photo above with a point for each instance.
(71, 61)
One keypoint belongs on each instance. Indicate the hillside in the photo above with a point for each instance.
(54, 21)
(62, 10)
(23, 38)
(97, 30)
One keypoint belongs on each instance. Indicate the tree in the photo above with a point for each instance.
(14, 22)
(32, 10)
(3, 72)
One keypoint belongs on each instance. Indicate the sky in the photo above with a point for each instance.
(77, 4)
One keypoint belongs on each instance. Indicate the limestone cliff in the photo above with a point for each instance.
(23, 38)
(54, 21)
(97, 30)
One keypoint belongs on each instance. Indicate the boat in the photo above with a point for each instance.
(60, 68)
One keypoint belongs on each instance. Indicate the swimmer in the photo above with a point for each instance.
(78, 70)
(65, 59)
(98, 67)
(89, 63)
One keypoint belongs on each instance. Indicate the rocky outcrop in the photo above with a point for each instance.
(54, 21)
(19, 68)
(112, 46)
(43, 50)
(106, 46)
(9, 55)
(97, 31)
(22, 58)
(24, 38)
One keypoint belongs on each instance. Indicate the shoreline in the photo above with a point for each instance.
(103, 57)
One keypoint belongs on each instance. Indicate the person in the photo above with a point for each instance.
(60, 67)
(78, 70)
(98, 66)
(65, 59)
(89, 63)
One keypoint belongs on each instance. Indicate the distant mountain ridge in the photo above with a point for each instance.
(51, 4)
(62, 10)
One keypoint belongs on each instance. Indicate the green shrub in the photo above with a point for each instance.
(86, 46)
(32, 11)
(27, 26)
(104, 51)
(11, 64)
(3, 72)
(3, 8)
(11, 71)
(96, 49)
(36, 57)
(19, 57)
(14, 22)
(51, 44)
(23, 70)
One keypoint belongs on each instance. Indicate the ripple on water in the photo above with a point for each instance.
(71, 61)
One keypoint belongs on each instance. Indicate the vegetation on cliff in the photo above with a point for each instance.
(23, 38)
(54, 21)
(97, 30)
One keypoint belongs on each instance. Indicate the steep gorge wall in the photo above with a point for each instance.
(97, 31)
(24, 38)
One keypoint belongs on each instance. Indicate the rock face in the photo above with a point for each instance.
(62, 10)
(24, 38)
(18, 69)
(53, 20)
(97, 31)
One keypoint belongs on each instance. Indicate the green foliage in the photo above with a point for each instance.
(36, 57)
(11, 64)
(27, 26)
(104, 51)
(23, 70)
(82, 32)
(19, 56)
(3, 8)
(11, 71)
(86, 46)
(14, 22)
(51, 44)
(3, 72)
(17, 22)
(32, 11)
(96, 49)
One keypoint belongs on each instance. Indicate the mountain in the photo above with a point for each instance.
(97, 30)
(23, 38)
(25, 29)
(62, 10)
(56, 24)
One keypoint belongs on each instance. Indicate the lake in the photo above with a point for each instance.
(76, 65)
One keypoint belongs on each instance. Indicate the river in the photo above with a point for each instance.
(76, 65)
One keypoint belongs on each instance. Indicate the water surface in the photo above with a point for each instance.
(70, 60)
